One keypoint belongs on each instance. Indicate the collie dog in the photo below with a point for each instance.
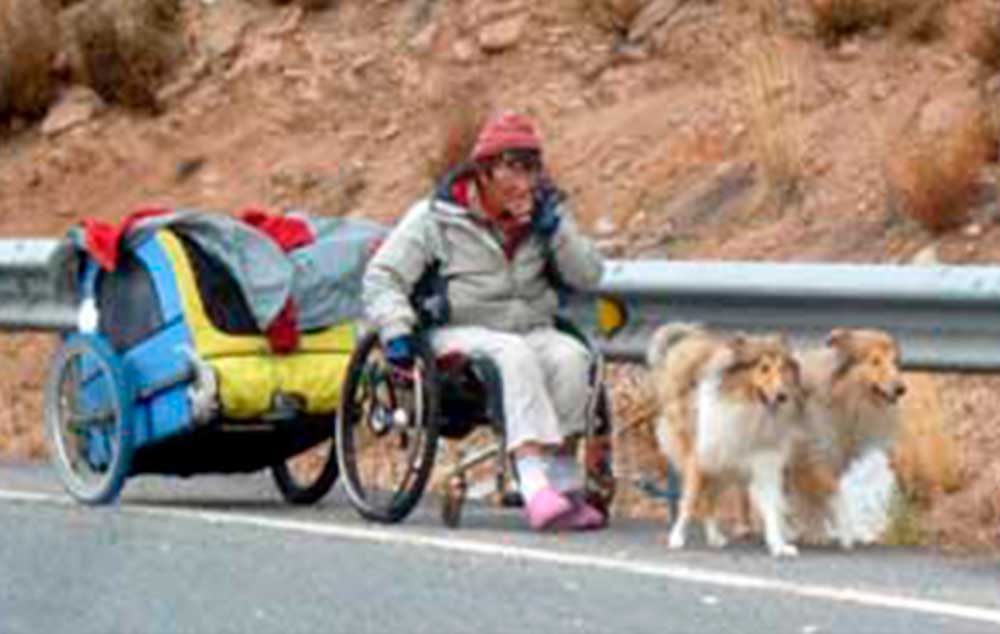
(838, 481)
(731, 413)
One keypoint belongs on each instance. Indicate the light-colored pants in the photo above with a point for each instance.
(544, 375)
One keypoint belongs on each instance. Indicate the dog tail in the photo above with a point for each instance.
(665, 337)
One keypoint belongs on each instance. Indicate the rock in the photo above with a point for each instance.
(223, 40)
(992, 85)
(928, 256)
(188, 167)
(389, 132)
(605, 226)
(359, 65)
(637, 220)
(849, 50)
(973, 230)
(463, 50)
(947, 112)
(77, 105)
(502, 35)
(423, 42)
(881, 91)
(630, 53)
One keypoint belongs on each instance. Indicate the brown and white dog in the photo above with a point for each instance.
(852, 387)
(731, 412)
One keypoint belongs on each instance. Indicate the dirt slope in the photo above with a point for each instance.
(659, 141)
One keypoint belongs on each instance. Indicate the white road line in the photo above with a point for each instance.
(457, 544)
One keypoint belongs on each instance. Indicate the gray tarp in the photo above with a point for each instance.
(324, 278)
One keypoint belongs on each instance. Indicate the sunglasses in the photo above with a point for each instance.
(521, 161)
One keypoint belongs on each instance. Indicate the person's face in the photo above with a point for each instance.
(510, 181)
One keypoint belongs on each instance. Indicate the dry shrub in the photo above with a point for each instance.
(834, 20)
(919, 20)
(309, 5)
(124, 49)
(935, 177)
(926, 455)
(773, 96)
(459, 124)
(611, 15)
(971, 518)
(984, 45)
(29, 43)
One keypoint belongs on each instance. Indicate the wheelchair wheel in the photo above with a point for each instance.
(387, 432)
(306, 478)
(88, 419)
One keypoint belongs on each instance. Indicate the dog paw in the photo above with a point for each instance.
(715, 538)
(676, 542)
(784, 550)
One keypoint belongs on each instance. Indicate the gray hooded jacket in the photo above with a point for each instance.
(484, 287)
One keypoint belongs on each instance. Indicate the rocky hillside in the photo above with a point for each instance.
(846, 130)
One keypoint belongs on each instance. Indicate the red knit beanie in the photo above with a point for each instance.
(506, 131)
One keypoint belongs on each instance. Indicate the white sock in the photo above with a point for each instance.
(564, 473)
(531, 475)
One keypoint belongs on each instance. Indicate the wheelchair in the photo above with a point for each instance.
(391, 422)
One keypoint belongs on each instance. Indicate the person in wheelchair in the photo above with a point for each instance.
(503, 244)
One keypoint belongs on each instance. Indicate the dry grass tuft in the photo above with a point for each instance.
(935, 177)
(124, 49)
(773, 96)
(29, 43)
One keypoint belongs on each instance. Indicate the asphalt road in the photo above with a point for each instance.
(223, 554)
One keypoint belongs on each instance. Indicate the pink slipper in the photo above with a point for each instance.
(545, 507)
(583, 517)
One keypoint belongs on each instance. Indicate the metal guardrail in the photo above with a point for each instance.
(36, 293)
(946, 318)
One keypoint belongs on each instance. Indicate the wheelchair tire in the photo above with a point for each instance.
(88, 419)
(369, 437)
(294, 489)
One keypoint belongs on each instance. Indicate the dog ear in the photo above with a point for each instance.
(739, 348)
(839, 340)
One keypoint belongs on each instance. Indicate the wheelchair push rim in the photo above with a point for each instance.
(88, 419)
(308, 476)
(386, 435)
